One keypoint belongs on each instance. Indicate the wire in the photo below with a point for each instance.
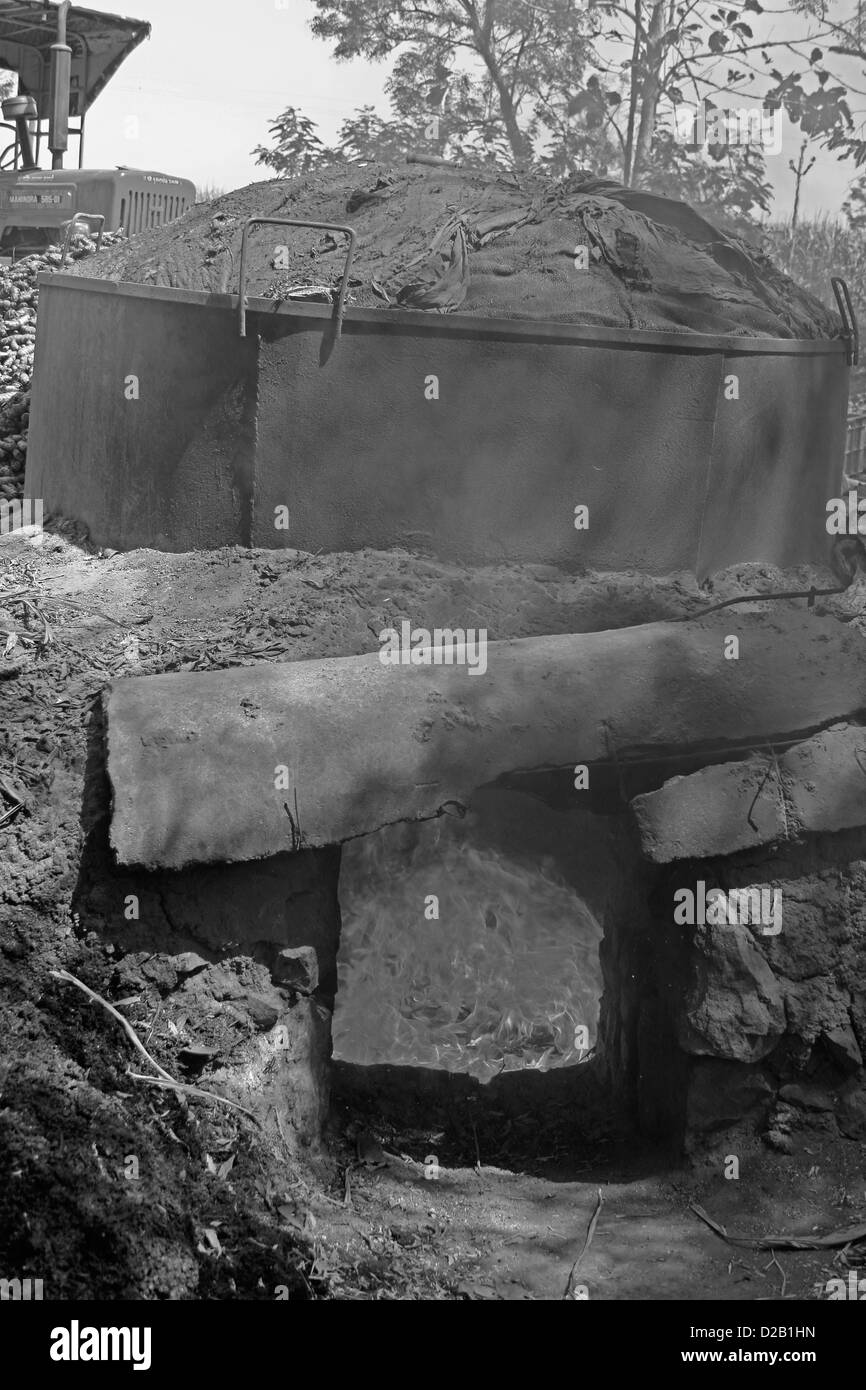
(810, 594)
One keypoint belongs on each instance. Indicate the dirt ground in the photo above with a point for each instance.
(207, 1210)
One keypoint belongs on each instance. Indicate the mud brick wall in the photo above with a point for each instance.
(758, 1025)
(241, 960)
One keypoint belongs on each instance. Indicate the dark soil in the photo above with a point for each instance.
(649, 263)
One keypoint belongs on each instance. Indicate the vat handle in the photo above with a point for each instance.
(293, 222)
(71, 225)
(849, 319)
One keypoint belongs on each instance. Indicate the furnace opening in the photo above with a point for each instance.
(468, 944)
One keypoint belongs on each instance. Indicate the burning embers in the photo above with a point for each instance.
(458, 955)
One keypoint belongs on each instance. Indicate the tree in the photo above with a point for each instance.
(569, 81)
(569, 84)
(368, 136)
(522, 57)
(825, 108)
(854, 206)
(297, 149)
(728, 182)
(799, 170)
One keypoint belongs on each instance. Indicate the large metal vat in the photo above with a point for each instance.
(691, 452)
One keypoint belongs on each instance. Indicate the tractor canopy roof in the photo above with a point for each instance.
(99, 44)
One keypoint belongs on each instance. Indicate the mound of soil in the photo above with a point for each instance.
(449, 240)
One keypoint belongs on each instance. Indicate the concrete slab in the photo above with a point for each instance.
(818, 786)
(716, 811)
(828, 780)
(246, 763)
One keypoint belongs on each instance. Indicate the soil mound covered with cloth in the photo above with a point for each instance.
(447, 240)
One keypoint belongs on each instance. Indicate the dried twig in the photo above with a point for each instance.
(18, 804)
(21, 596)
(477, 1149)
(569, 1286)
(831, 1241)
(125, 1025)
(164, 1079)
(772, 762)
(297, 840)
(188, 1090)
(775, 1262)
(100, 613)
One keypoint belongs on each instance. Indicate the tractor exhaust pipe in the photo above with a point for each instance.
(22, 110)
(61, 74)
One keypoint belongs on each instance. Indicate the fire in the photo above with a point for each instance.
(506, 977)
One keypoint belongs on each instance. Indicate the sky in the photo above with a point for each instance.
(213, 74)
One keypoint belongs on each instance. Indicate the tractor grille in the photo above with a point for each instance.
(855, 445)
(141, 211)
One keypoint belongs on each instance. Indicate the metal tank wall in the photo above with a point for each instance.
(679, 466)
(170, 470)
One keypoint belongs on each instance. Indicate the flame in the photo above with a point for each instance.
(501, 981)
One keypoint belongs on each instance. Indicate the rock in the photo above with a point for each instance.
(370, 1151)
(842, 1046)
(263, 1012)
(160, 971)
(197, 1056)
(777, 1139)
(128, 973)
(217, 981)
(851, 1115)
(188, 963)
(736, 1008)
(298, 968)
(807, 1097)
(782, 1118)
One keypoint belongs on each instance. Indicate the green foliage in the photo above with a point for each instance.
(297, 148)
(854, 206)
(817, 249)
(367, 136)
(566, 85)
(727, 184)
(821, 111)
